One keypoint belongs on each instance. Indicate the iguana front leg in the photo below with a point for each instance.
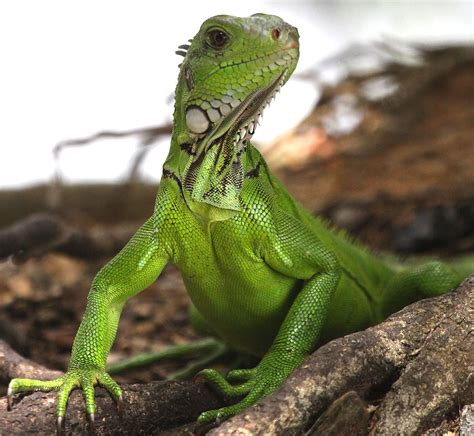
(133, 269)
(294, 252)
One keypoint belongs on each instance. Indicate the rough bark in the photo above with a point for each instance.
(149, 409)
(466, 421)
(419, 361)
(421, 356)
(12, 365)
(347, 416)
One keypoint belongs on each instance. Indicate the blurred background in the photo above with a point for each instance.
(71, 70)
(374, 131)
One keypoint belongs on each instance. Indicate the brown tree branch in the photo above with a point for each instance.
(149, 408)
(12, 365)
(147, 134)
(418, 361)
(421, 356)
(39, 234)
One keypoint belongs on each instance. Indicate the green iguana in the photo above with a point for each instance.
(265, 276)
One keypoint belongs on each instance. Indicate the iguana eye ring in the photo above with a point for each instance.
(217, 38)
(276, 32)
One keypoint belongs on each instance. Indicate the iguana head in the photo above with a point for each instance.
(231, 70)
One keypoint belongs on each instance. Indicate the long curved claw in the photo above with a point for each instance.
(9, 398)
(91, 421)
(114, 391)
(120, 405)
(60, 425)
(203, 429)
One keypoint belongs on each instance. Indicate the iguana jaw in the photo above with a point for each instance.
(214, 175)
(240, 124)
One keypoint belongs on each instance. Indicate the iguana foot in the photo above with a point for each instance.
(85, 379)
(250, 386)
(254, 384)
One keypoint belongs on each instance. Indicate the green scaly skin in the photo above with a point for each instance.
(267, 277)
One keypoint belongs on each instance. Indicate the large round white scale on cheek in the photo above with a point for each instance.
(196, 120)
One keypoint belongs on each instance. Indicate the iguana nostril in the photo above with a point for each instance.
(276, 32)
(293, 33)
(293, 38)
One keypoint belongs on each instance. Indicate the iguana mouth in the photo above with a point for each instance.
(240, 124)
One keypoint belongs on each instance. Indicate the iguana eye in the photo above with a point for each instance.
(217, 38)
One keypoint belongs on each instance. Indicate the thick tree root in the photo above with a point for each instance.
(42, 233)
(416, 367)
(148, 409)
(12, 365)
(421, 358)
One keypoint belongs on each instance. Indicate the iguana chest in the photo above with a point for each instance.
(240, 296)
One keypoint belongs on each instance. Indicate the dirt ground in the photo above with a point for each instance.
(42, 302)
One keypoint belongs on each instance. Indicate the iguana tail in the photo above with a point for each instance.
(463, 265)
